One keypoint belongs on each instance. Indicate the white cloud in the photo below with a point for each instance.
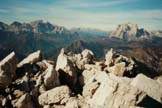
(105, 3)
(62, 15)
(105, 20)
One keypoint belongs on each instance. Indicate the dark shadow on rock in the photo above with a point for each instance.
(30, 68)
(149, 102)
(66, 79)
(78, 87)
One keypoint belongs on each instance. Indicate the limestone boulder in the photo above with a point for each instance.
(54, 96)
(148, 85)
(66, 69)
(86, 75)
(109, 57)
(130, 64)
(112, 94)
(159, 79)
(51, 77)
(86, 57)
(72, 103)
(119, 64)
(90, 88)
(87, 54)
(31, 58)
(7, 70)
(118, 69)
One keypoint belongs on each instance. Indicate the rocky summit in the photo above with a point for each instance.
(77, 81)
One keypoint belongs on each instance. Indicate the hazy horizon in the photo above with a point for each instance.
(97, 14)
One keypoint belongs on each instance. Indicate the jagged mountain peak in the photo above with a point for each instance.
(16, 23)
(41, 26)
(37, 26)
(130, 31)
(39, 22)
(3, 26)
(129, 24)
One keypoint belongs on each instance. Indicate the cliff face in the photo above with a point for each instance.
(78, 81)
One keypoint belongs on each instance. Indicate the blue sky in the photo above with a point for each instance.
(100, 14)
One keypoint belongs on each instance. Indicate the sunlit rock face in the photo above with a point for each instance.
(66, 69)
(129, 31)
(118, 64)
(31, 59)
(148, 85)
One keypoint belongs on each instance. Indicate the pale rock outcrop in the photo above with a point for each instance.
(118, 64)
(51, 78)
(86, 57)
(46, 106)
(129, 31)
(109, 57)
(57, 106)
(148, 85)
(30, 59)
(66, 69)
(7, 70)
(159, 79)
(118, 69)
(82, 102)
(113, 94)
(25, 101)
(90, 71)
(130, 64)
(54, 96)
(90, 88)
(93, 67)
(87, 54)
(86, 75)
(72, 103)
(124, 80)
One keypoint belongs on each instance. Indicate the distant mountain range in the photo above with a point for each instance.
(126, 31)
(128, 39)
(24, 38)
(39, 26)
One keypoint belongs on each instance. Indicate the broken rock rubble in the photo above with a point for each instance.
(76, 81)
